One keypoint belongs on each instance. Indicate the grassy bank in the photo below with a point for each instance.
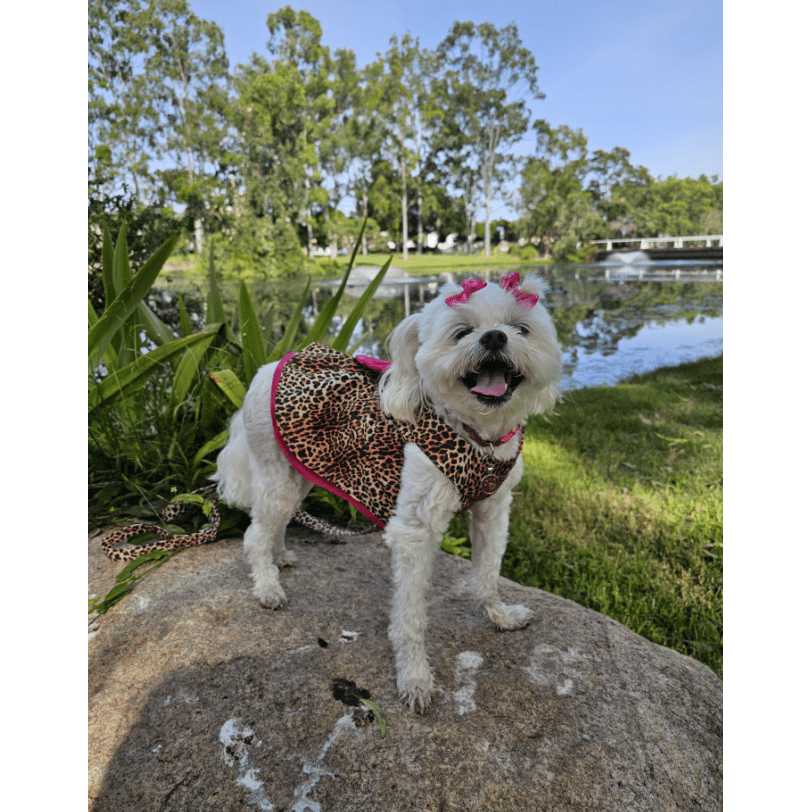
(433, 263)
(620, 508)
(193, 268)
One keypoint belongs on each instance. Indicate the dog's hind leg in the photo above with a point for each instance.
(274, 499)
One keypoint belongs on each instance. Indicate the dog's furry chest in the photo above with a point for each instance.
(328, 422)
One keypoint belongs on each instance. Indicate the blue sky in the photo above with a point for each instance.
(645, 75)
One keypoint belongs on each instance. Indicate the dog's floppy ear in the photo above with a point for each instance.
(401, 396)
(545, 400)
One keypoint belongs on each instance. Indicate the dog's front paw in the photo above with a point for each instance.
(417, 693)
(508, 618)
(271, 598)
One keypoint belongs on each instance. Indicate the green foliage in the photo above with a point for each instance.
(127, 579)
(524, 251)
(377, 712)
(158, 401)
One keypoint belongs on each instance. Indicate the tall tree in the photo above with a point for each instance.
(556, 208)
(187, 76)
(400, 88)
(295, 43)
(281, 109)
(122, 121)
(157, 95)
(488, 77)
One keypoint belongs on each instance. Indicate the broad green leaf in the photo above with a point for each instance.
(377, 711)
(187, 372)
(155, 329)
(253, 347)
(343, 338)
(107, 267)
(127, 578)
(230, 384)
(214, 304)
(129, 570)
(185, 324)
(121, 262)
(110, 357)
(189, 499)
(121, 382)
(212, 445)
(125, 303)
(285, 343)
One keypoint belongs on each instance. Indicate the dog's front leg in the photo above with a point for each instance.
(425, 505)
(489, 528)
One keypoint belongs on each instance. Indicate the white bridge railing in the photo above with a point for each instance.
(661, 242)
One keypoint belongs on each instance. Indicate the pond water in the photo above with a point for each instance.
(612, 321)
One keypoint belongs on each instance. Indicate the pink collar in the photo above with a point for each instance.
(501, 441)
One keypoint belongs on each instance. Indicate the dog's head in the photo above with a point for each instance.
(486, 354)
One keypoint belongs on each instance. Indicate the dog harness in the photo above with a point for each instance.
(328, 422)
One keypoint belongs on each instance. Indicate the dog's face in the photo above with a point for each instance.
(486, 354)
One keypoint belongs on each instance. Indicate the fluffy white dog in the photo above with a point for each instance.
(448, 414)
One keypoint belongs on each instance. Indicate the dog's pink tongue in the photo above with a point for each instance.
(491, 383)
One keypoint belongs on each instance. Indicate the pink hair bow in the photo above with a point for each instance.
(510, 283)
(469, 286)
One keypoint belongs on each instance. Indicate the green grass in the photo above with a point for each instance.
(434, 263)
(189, 268)
(620, 507)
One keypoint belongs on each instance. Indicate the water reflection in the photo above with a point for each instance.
(610, 326)
(631, 320)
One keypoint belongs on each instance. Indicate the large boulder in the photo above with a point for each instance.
(201, 699)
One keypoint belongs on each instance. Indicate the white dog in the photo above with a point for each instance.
(437, 431)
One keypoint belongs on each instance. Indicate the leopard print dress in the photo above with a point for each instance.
(328, 421)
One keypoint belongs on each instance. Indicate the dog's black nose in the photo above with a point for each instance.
(493, 340)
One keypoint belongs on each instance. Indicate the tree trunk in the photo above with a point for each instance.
(365, 200)
(419, 221)
(404, 203)
(199, 236)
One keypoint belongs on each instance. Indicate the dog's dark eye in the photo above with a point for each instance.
(521, 328)
(462, 333)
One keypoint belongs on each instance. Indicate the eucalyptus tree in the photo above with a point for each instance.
(610, 172)
(281, 108)
(187, 77)
(556, 208)
(486, 80)
(122, 121)
(295, 42)
(399, 87)
(344, 143)
(157, 103)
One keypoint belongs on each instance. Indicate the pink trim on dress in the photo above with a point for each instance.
(375, 364)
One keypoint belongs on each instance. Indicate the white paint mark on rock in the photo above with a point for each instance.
(235, 738)
(182, 695)
(565, 688)
(140, 603)
(468, 662)
(349, 637)
(316, 772)
(550, 666)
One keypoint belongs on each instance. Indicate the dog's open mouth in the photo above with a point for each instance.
(493, 381)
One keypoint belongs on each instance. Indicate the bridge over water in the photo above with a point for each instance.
(704, 246)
